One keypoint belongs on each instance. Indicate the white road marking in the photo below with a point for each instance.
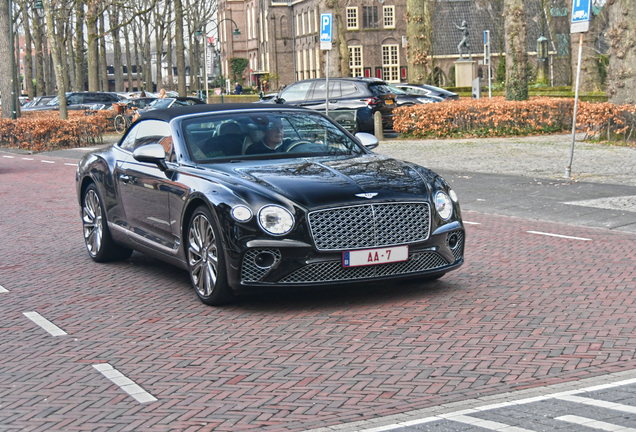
(69, 164)
(10, 157)
(559, 235)
(3, 289)
(471, 223)
(599, 403)
(27, 159)
(86, 148)
(488, 424)
(45, 161)
(47, 325)
(124, 383)
(591, 423)
(452, 415)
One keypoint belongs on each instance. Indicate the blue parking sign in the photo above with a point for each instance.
(326, 25)
(581, 15)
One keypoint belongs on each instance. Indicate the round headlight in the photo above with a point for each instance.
(453, 195)
(443, 205)
(275, 220)
(241, 213)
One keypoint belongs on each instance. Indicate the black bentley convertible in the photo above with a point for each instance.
(246, 197)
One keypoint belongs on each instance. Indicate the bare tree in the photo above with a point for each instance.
(56, 58)
(180, 46)
(28, 67)
(516, 50)
(621, 77)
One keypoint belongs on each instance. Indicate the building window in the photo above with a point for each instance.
(389, 16)
(311, 21)
(369, 17)
(352, 18)
(355, 61)
(391, 63)
(302, 18)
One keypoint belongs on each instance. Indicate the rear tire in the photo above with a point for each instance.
(99, 243)
(206, 260)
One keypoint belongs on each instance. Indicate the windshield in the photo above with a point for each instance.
(54, 101)
(161, 103)
(265, 135)
(378, 89)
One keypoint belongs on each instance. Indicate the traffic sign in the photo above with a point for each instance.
(326, 25)
(581, 15)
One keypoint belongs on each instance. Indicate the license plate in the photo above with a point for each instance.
(375, 256)
(388, 102)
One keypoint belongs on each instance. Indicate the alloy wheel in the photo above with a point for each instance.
(93, 222)
(202, 255)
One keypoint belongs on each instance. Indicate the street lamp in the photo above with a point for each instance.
(39, 8)
(201, 35)
(542, 53)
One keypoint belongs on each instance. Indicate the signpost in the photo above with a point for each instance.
(487, 60)
(580, 23)
(326, 25)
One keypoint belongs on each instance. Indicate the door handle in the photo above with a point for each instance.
(124, 178)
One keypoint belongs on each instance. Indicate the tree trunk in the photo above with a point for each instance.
(181, 69)
(80, 73)
(49, 73)
(28, 67)
(621, 75)
(6, 51)
(119, 73)
(140, 71)
(55, 52)
(169, 60)
(517, 50)
(103, 64)
(147, 58)
(61, 42)
(129, 63)
(159, 50)
(590, 80)
(416, 31)
(343, 53)
(71, 59)
(93, 50)
(40, 86)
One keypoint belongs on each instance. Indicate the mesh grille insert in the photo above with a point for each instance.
(333, 271)
(367, 226)
(250, 272)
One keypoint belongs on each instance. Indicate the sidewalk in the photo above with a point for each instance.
(544, 156)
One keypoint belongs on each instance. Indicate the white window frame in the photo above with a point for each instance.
(391, 63)
(388, 19)
(353, 20)
(356, 65)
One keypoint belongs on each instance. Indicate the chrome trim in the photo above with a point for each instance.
(144, 240)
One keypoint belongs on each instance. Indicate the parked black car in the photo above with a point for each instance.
(79, 101)
(37, 102)
(247, 197)
(365, 95)
(162, 103)
(428, 90)
(403, 98)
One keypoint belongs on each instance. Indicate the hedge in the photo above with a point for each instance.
(498, 117)
(43, 131)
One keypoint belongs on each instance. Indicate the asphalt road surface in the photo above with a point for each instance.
(545, 300)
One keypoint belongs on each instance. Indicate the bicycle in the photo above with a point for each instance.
(122, 120)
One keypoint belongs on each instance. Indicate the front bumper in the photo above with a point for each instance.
(298, 265)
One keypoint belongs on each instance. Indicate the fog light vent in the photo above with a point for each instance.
(257, 263)
(455, 242)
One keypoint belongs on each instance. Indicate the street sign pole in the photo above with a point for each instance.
(326, 24)
(580, 23)
(487, 60)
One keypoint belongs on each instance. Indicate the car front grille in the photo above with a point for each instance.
(371, 225)
(332, 271)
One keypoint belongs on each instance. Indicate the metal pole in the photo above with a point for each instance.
(12, 51)
(327, 86)
(568, 169)
(205, 63)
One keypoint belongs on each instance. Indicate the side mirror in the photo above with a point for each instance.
(152, 153)
(367, 140)
(280, 100)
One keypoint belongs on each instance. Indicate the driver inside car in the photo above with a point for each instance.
(272, 142)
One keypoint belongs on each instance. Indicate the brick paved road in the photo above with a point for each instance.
(525, 310)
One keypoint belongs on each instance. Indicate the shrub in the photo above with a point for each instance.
(42, 131)
(498, 117)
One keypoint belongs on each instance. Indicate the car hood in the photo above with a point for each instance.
(317, 182)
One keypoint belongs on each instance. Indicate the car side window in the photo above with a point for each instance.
(129, 140)
(347, 88)
(319, 90)
(154, 132)
(296, 92)
(74, 99)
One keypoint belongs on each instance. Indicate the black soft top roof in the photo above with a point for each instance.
(170, 113)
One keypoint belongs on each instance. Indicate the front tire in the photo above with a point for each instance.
(99, 243)
(120, 124)
(206, 260)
